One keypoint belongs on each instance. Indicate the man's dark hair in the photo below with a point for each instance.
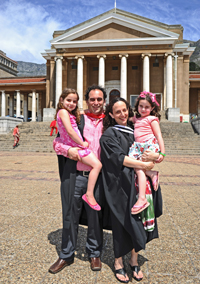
(95, 87)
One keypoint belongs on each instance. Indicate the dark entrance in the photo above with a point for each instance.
(113, 94)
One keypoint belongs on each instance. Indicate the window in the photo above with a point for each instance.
(134, 67)
(156, 64)
(115, 68)
(74, 66)
(95, 68)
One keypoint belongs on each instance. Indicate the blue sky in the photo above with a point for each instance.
(27, 25)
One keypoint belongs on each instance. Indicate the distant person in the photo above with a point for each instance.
(148, 136)
(16, 136)
(53, 126)
(68, 115)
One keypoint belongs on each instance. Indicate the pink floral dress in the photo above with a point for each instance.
(60, 143)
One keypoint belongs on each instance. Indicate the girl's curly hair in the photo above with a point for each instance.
(108, 121)
(64, 94)
(148, 97)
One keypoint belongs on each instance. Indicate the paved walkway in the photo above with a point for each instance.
(30, 231)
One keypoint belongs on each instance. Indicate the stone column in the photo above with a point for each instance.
(146, 72)
(11, 105)
(33, 105)
(18, 103)
(80, 80)
(39, 114)
(101, 70)
(169, 80)
(123, 75)
(3, 103)
(25, 107)
(175, 80)
(164, 89)
(52, 83)
(58, 78)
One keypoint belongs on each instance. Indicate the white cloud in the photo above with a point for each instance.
(25, 30)
(27, 25)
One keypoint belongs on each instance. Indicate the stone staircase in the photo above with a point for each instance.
(179, 138)
(34, 137)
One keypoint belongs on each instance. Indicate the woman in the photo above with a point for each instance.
(119, 185)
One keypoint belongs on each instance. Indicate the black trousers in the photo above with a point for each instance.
(94, 240)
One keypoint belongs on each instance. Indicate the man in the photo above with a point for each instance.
(74, 178)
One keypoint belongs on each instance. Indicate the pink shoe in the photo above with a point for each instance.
(139, 208)
(96, 207)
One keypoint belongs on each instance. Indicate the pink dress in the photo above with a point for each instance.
(64, 139)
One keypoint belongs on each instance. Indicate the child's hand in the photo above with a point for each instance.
(160, 159)
(85, 144)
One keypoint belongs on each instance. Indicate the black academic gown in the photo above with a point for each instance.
(120, 192)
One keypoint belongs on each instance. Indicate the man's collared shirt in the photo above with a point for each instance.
(92, 133)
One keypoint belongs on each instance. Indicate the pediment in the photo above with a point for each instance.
(113, 26)
(113, 31)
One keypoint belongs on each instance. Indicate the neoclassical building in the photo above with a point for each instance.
(126, 54)
(123, 52)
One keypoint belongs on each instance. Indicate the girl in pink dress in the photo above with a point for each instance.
(68, 115)
(147, 136)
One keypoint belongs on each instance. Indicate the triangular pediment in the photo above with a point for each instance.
(113, 31)
(114, 26)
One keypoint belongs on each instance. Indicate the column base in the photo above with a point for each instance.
(173, 114)
(8, 123)
(48, 114)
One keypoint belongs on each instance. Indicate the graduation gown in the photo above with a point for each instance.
(120, 192)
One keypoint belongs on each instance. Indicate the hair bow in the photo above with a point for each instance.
(152, 96)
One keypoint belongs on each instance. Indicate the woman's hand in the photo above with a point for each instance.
(73, 153)
(148, 155)
(148, 166)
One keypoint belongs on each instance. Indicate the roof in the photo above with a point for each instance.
(22, 80)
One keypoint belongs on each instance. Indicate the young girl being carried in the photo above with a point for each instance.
(147, 136)
(67, 116)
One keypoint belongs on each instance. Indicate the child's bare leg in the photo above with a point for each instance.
(142, 187)
(154, 176)
(91, 160)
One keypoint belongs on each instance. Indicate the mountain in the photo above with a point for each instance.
(26, 69)
(195, 57)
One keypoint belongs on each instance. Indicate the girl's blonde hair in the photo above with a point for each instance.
(64, 94)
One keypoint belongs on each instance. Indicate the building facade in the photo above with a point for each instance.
(8, 67)
(124, 53)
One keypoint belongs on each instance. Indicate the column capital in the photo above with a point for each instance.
(79, 56)
(58, 57)
(123, 55)
(101, 55)
(145, 54)
(169, 53)
(3, 91)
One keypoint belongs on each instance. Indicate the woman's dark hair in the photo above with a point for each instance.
(95, 87)
(148, 97)
(64, 94)
(108, 121)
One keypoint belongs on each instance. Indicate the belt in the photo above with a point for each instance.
(83, 173)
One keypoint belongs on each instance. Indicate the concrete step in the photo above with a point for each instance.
(179, 138)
